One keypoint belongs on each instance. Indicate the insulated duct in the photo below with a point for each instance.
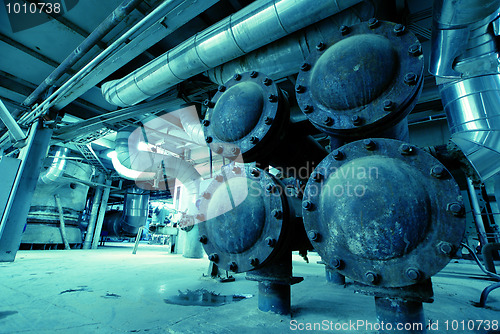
(57, 168)
(133, 216)
(258, 24)
(134, 164)
(465, 63)
(284, 57)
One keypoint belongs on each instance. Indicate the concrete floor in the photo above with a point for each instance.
(109, 290)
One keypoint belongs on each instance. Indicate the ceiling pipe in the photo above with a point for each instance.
(57, 168)
(258, 24)
(285, 56)
(124, 9)
(465, 63)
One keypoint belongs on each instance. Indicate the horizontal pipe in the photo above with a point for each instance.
(260, 23)
(284, 57)
(68, 85)
(125, 8)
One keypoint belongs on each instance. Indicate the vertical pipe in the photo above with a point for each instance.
(476, 210)
(93, 213)
(394, 312)
(333, 276)
(274, 285)
(137, 239)
(274, 297)
(102, 212)
(192, 245)
(62, 226)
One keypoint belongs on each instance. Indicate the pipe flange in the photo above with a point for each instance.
(242, 219)
(244, 115)
(362, 79)
(381, 233)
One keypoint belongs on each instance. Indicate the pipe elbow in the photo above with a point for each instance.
(57, 168)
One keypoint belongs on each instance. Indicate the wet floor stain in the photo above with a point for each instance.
(80, 288)
(202, 297)
(111, 295)
(5, 314)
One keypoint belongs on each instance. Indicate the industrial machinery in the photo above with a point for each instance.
(59, 191)
(382, 212)
(250, 223)
(362, 81)
(279, 78)
(126, 223)
(387, 215)
(248, 119)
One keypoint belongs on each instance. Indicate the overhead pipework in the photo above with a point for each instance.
(258, 24)
(249, 223)
(249, 118)
(57, 168)
(362, 81)
(133, 163)
(465, 63)
(410, 209)
(134, 215)
(284, 57)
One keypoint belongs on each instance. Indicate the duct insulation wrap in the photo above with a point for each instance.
(43, 219)
(260, 23)
(134, 215)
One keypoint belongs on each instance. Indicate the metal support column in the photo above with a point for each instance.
(102, 212)
(16, 213)
(93, 213)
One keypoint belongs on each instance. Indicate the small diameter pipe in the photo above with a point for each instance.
(102, 212)
(121, 12)
(137, 239)
(476, 210)
(62, 226)
(93, 214)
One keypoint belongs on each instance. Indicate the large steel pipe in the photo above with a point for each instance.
(465, 63)
(283, 58)
(133, 216)
(407, 203)
(256, 25)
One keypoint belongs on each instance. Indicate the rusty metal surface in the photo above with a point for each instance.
(244, 219)
(362, 79)
(245, 115)
(383, 213)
